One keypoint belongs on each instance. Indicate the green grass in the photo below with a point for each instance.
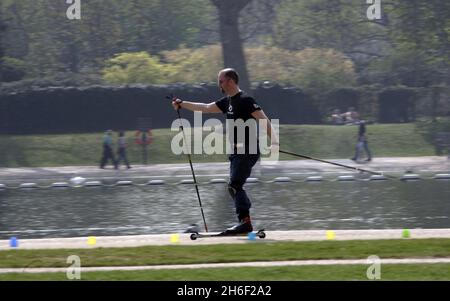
(258, 251)
(332, 272)
(321, 141)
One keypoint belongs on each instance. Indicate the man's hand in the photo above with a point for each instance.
(176, 103)
(275, 148)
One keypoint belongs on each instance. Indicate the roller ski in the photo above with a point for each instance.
(244, 228)
(260, 234)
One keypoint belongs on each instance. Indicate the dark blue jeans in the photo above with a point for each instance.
(240, 169)
(122, 155)
(107, 154)
(362, 145)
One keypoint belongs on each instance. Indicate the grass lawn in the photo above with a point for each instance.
(322, 141)
(257, 251)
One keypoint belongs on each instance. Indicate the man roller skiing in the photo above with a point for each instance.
(238, 107)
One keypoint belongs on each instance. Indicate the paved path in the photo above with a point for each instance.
(296, 169)
(183, 239)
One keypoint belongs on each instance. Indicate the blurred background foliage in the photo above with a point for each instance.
(312, 44)
(315, 70)
(303, 58)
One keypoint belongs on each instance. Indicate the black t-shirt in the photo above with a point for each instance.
(239, 108)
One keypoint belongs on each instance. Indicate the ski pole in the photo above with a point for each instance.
(190, 163)
(337, 164)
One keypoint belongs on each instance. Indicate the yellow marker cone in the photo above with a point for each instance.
(174, 238)
(91, 240)
(330, 235)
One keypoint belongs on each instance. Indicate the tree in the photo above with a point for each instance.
(422, 28)
(232, 46)
(159, 25)
(33, 40)
(2, 29)
(18, 17)
(256, 28)
(339, 24)
(40, 34)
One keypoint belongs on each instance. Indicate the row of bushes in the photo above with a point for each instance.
(96, 108)
(313, 70)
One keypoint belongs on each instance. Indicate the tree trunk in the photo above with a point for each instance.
(232, 46)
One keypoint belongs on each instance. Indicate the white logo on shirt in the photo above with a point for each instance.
(230, 108)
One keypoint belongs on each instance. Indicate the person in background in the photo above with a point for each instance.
(336, 117)
(122, 150)
(351, 116)
(362, 143)
(108, 150)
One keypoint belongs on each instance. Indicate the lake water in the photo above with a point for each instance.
(131, 210)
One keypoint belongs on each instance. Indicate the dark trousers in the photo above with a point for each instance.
(240, 169)
(122, 155)
(362, 145)
(107, 154)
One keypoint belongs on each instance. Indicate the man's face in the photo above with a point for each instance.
(222, 82)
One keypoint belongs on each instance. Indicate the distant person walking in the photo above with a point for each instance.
(122, 150)
(108, 150)
(362, 143)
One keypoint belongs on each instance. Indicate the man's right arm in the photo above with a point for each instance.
(197, 106)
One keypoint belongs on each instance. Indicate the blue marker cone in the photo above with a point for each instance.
(13, 242)
(251, 236)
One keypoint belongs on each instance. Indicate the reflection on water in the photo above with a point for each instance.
(278, 206)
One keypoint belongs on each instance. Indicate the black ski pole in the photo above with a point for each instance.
(337, 164)
(192, 168)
